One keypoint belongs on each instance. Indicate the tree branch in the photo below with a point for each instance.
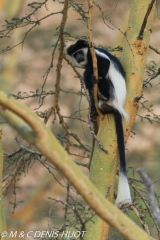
(151, 195)
(94, 58)
(60, 59)
(154, 49)
(36, 132)
(150, 6)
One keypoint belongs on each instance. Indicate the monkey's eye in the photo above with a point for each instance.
(79, 56)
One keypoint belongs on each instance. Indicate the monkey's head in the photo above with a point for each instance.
(78, 52)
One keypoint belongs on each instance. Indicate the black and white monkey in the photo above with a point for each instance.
(111, 93)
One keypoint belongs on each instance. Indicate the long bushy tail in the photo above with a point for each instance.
(123, 195)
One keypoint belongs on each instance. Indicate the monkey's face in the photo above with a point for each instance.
(78, 52)
(80, 57)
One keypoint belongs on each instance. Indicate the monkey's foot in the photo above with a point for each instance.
(93, 116)
(104, 107)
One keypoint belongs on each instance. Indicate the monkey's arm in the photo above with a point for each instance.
(93, 110)
(89, 82)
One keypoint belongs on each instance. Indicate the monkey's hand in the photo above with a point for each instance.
(94, 79)
(93, 116)
(93, 111)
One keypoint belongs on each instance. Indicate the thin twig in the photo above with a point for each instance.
(96, 138)
(153, 77)
(141, 218)
(48, 71)
(151, 195)
(154, 49)
(79, 76)
(94, 58)
(60, 59)
(13, 176)
(146, 204)
(150, 6)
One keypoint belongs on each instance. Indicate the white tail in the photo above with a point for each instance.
(123, 195)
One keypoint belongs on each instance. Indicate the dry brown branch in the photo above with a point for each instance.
(79, 76)
(94, 59)
(65, 126)
(153, 77)
(25, 35)
(12, 177)
(48, 70)
(60, 59)
(93, 132)
(146, 205)
(141, 218)
(150, 6)
(154, 49)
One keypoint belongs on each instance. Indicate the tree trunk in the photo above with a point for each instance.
(103, 166)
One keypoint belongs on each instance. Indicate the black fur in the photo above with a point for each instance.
(105, 88)
(120, 141)
(78, 45)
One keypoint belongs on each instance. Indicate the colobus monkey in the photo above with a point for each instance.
(111, 93)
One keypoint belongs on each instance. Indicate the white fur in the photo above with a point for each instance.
(118, 81)
(84, 63)
(123, 195)
(119, 86)
(101, 54)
